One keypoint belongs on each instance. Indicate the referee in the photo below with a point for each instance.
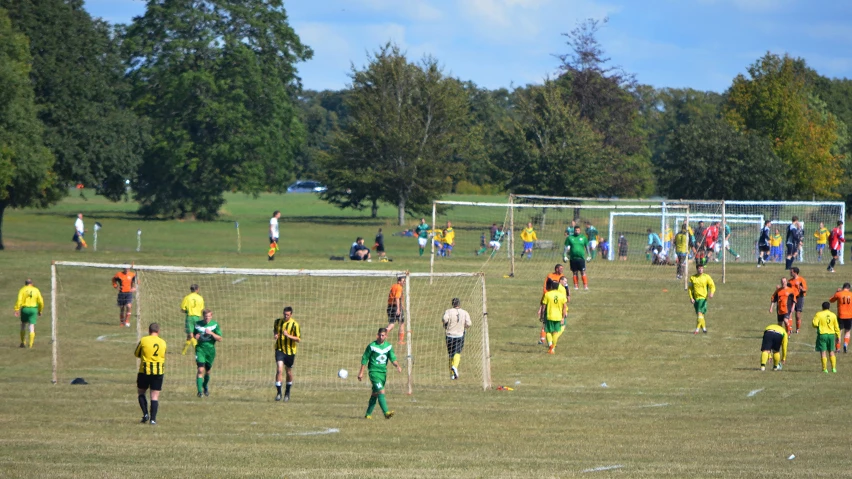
(456, 321)
(152, 352)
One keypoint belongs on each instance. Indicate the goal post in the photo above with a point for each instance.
(339, 312)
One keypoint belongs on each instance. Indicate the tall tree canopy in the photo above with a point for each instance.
(25, 163)
(82, 95)
(217, 80)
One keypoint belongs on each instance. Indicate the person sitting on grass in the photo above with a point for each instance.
(359, 252)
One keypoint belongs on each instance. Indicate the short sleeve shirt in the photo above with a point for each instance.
(273, 227)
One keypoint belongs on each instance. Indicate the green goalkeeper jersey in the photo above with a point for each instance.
(206, 341)
(577, 243)
(376, 356)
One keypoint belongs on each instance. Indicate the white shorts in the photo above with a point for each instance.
(593, 244)
(422, 242)
(494, 244)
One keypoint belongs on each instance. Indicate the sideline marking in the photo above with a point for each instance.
(239, 280)
(603, 468)
(330, 430)
(662, 404)
(753, 393)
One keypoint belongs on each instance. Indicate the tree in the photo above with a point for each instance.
(407, 121)
(82, 95)
(322, 113)
(777, 103)
(25, 175)
(217, 80)
(708, 159)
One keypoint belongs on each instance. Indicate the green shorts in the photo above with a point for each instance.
(189, 325)
(701, 306)
(552, 326)
(204, 356)
(29, 315)
(377, 380)
(825, 342)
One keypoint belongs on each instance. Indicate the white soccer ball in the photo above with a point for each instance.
(343, 374)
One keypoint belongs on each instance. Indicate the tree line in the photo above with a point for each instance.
(195, 98)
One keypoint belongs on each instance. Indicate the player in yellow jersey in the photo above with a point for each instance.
(192, 305)
(287, 335)
(828, 333)
(681, 246)
(821, 235)
(774, 343)
(554, 305)
(151, 351)
(529, 238)
(449, 239)
(701, 288)
(28, 307)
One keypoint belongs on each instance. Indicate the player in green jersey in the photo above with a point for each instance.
(575, 255)
(375, 361)
(592, 236)
(422, 231)
(207, 333)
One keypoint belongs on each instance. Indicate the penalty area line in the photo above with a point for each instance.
(239, 280)
(603, 468)
(754, 392)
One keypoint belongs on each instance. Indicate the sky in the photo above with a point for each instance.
(701, 44)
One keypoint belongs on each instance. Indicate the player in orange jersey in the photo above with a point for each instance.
(125, 282)
(801, 286)
(843, 298)
(396, 311)
(785, 299)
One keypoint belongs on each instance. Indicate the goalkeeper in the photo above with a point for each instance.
(456, 322)
(376, 356)
(192, 305)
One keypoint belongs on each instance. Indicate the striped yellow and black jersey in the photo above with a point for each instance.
(283, 343)
(152, 351)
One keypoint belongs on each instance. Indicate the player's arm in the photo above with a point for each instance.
(711, 287)
(40, 300)
(691, 291)
(364, 359)
(392, 357)
(773, 300)
(294, 337)
(467, 322)
(215, 333)
(275, 329)
(133, 284)
(564, 311)
(19, 302)
(138, 352)
(445, 319)
(184, 305)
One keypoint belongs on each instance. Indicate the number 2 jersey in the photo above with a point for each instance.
(152, 352)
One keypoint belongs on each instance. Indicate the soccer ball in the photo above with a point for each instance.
(343, 374)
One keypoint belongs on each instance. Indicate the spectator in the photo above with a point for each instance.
(359, 252)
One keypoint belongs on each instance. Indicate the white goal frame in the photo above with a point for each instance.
(409, 359)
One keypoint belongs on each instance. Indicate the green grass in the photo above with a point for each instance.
(675, 405)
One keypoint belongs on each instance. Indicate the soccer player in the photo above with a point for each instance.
(701, 288)
(377, 355)
(700, 240)
(763, 246)
(792, 241)
(449, 236)
(28, 307)
(681, 244)
(668, 238)
(79, 232)
(396, 310)
(207, 333)
(776, 251)
(273, 234)
(835, 244)
(821, 235)
(655, 245)
(622, 248)
(843, 298)
(554, 307)
(553, 278)
(529, 237)
(125, 282)
(287, 335)
(828, 332)
(422, 235)
(456, 321)
(379, 246)
(575, 247)
(438, 241)
(784, 297)
(592, 236)
(800, 286)
(151, 350)
(711, 241)
(775, 343)
(726, 242)
(494, 244)
(192, 305)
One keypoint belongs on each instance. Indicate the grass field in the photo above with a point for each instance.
(631, 391)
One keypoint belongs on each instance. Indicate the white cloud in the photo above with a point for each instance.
(418, 10)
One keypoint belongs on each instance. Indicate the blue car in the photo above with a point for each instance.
(306, 186)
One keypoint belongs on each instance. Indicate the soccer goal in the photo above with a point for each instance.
(339, 313)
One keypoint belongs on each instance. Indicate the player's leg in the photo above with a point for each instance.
(127, 312)
(24, 328)
(199, 378)
(120, 311)
(141, 388)
(833, 358)
(207, 367)
(585, 279)
(450, 351)
(279, 373)
(156, 386)
(458, 347)
(764, 358)
(288, 365)
(846, 339)
(31, 328)
(824, 360)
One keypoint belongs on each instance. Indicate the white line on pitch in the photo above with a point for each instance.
(239, 280)
(603, 468)
(330, 430)
(662, 404)
(752, 393)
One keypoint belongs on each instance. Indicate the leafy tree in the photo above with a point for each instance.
(25, 175)
(407, 122)
(82, 95)
(777, 103)
(322, 113)
(217, 79)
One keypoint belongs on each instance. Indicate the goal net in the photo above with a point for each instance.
(339, 313)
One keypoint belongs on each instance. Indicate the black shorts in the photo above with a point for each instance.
(800, 304)
(287, 359)
(845, 324)
(455, 346)
(784, 317)
(577, 265)
(124, 299)
(394, 316)
(792, 250)
(771, 341)
(152, 381)
(765, 248)
(273, 240)
(835, 252)
(207, 366)
(380, 248)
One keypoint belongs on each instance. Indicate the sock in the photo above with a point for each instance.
(549, 337)
(701, 324)
(837, 343)
(824, 362)
(832, 263)
(154, 406)
(576, 283)
(594, 253)
(32, 338)
(371, 406)
(401, 336)
(556, 337)
(421, 251)
(776, 358)
(450, 362)
(383, 404)
(585, 282)
(186, 346)
(846, 341)
(798, 323)
(764, 356)
(733, 252)
(143, 403)
(287, 389)
(456, 360)
(278, 386)
(833, 362)
(24, 335)
(198, 382)
(543, 335)
(194, 342)
(481, 250)
(206, 380)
